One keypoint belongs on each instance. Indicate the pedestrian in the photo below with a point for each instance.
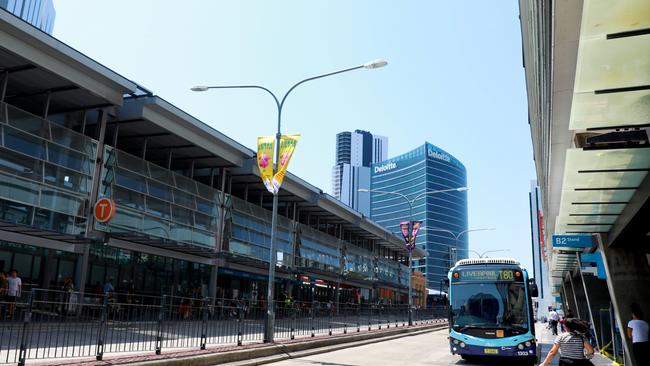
(637, 331)
(553, 318)
(108, 287)
(14, 290)
(574, 349)
(562, 321)
(4, 287)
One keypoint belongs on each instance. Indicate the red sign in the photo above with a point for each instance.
(104, 210)
(540, 220)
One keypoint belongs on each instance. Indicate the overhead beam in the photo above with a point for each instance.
(631, 226)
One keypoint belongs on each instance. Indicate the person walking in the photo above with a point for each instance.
(574, 349)
(553, 318)
(637, 331)
(14, 291)
(4, 287)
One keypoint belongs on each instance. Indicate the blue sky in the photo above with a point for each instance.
(455, 78)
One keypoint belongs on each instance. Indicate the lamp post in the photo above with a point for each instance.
(270, 310)
(482, 255)
(457, 236)
(410, 228)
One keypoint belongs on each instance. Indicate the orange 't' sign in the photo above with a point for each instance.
(104, 210)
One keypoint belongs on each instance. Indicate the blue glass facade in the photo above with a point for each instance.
(39, 13)
(426, 168)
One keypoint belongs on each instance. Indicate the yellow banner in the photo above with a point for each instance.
(287, 146)
(265, 149)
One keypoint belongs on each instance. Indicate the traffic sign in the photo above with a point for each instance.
(572, 241)
(104, 210)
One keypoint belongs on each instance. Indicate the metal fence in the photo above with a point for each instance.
(54, 324)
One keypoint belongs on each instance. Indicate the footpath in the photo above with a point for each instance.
(248, 354)
(545, 341)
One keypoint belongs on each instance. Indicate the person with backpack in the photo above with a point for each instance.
(574, 349)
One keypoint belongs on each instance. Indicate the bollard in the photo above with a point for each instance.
(102, 329)
(22, 355)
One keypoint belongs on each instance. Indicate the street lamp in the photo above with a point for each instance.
(410, 228)
(482, 255)
(270, 311)
(457, 236)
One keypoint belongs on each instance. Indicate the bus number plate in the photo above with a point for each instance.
(491, 351)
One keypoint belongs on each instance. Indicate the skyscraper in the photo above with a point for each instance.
(39, 13)
(444, 215)
(355, 152)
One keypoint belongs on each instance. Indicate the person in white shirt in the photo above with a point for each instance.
(553, 318)
(637, 331)
(13, 291)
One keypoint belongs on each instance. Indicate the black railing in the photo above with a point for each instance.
(45, 324)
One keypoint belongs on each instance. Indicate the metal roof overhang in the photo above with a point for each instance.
(313, 200)
(73, 80)
(167, 128)
(599, 189)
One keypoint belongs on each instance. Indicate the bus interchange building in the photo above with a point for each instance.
(191, 212)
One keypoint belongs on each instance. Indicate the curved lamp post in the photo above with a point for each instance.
(457, 236)
(410, 228)
(270, 311)
(482, 255)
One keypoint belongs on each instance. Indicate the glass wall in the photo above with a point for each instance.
(359, 264)
(157, 202)
(250, 233)
(38, 267)
(318, 250)
(142, 273)
(45, 172)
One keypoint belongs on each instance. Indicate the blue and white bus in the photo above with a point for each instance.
(490, 310)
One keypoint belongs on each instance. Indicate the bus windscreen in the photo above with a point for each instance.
(489, 305)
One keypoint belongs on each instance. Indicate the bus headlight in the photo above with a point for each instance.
(456, 341)
(462, 344)
(520, 346)
(528, 344)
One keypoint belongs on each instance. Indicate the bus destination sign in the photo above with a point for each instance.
(487, 275)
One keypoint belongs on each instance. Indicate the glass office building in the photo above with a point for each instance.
(39, 13)
(444, 215)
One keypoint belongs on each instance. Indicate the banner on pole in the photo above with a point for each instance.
(265, 148)
(409, 238)
(404, 228)
(287, 146)
(414, 234)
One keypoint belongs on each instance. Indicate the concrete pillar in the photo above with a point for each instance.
(628, 281)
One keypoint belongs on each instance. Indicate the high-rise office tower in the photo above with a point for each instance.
(39, 13)
(444, 215)
(355, 152)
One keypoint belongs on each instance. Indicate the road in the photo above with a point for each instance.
(430, 349)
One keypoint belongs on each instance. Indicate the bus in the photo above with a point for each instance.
(490, 310)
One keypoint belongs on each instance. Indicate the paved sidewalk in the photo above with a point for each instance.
(545, 341)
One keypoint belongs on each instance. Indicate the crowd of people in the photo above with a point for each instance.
(576, 343)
